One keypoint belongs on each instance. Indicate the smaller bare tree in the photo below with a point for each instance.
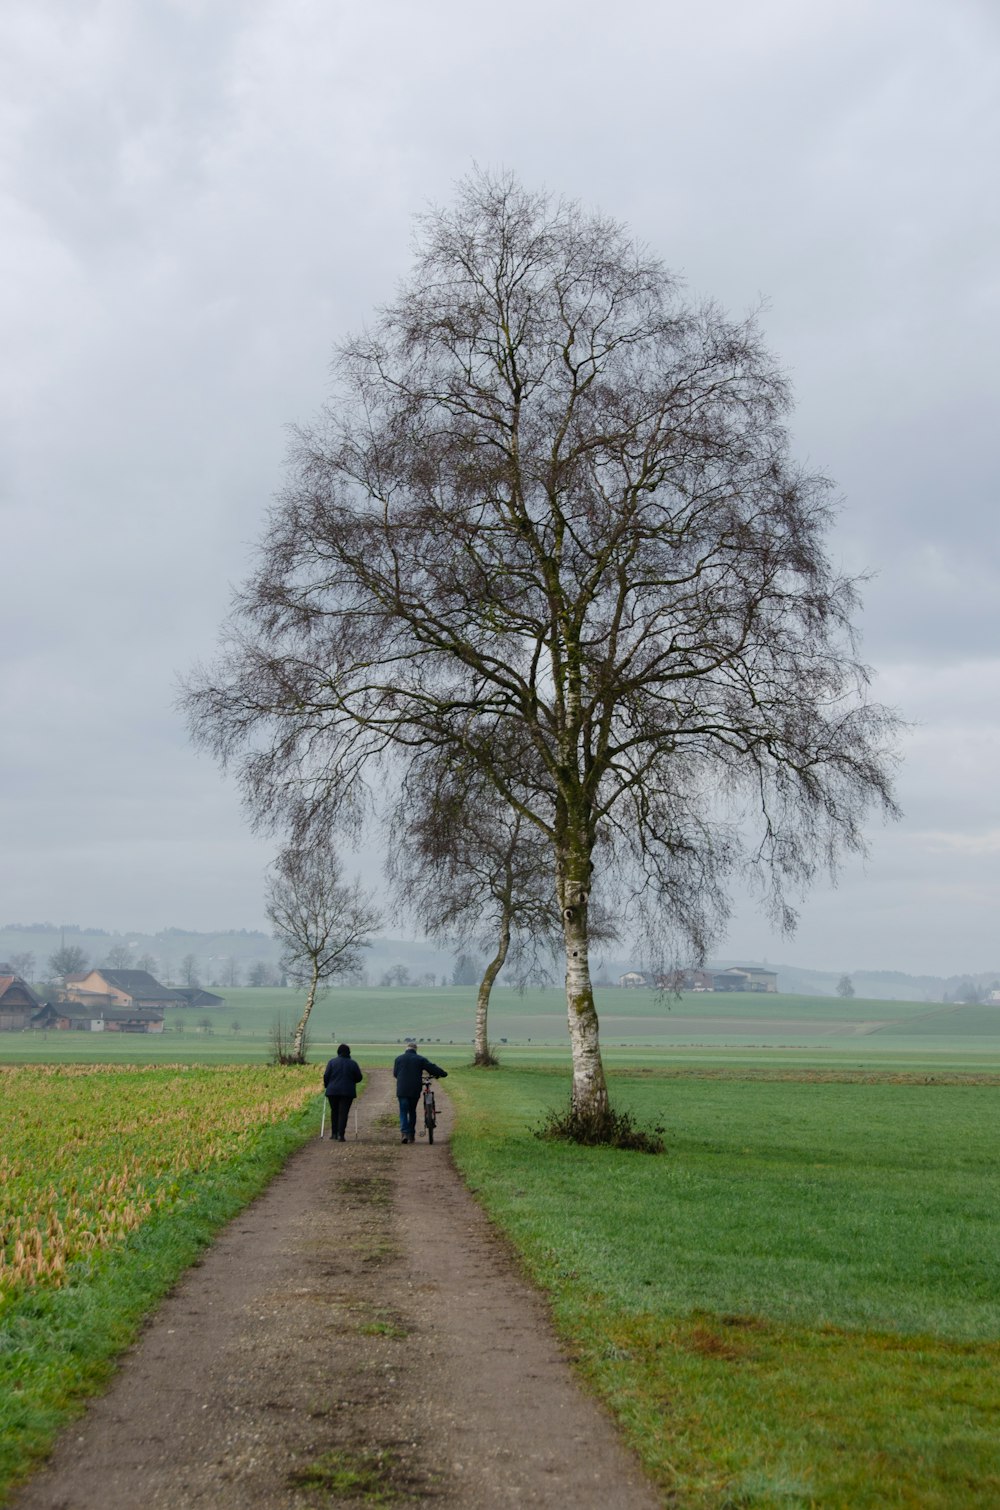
(189, 972)
(23, 964)
(69, 959)
(262, 974)
(323, 923)
(474, 872)
(119, 957)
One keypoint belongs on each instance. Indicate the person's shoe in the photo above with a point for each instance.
(404, 1139)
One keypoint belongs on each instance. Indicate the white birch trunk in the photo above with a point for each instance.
(482, 1054)
(590, 1090)
(300, 1031)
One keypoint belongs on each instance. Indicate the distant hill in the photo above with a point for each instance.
(215, 952)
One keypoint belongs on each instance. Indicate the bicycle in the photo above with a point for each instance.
(430, 1108)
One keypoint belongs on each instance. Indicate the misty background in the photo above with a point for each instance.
(197, 200)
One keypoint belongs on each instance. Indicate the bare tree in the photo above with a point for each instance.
(69, 959)
(189, 972)
(466, 970)
(473, 871)
(23, 964)
(550, 521)
(262, 974)
(845, 987)
(119, 957)
(323, 924)
(147, 962)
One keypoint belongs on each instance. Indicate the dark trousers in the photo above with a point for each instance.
(408, 1115)
(340, 1110)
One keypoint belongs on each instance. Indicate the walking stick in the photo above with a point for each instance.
(322, 1125)
(355, 1120)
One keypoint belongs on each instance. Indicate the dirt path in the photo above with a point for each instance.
(358, 1327)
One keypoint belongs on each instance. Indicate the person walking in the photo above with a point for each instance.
(340, 1079)
(409, 1070)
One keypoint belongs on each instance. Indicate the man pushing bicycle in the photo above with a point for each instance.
(409, 1070)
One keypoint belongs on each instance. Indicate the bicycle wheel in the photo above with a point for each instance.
(429, 1124)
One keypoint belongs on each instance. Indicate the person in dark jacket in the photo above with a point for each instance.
(340, 1079)
(409, 1070)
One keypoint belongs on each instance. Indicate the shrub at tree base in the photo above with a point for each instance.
(603, 1127)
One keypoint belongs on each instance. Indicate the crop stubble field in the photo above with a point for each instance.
(796, 1305)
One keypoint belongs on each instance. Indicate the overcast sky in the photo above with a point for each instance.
(199, 197)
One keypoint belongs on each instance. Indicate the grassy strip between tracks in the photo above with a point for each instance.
(124, 1174)
(798, 1304)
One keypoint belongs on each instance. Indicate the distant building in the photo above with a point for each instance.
(634, 978)
(744, 978)
(18, 1002)
(20, 1008)
(685, 980)
(100, 1019)
(51, 1015)
(121, 988)
(194, 996)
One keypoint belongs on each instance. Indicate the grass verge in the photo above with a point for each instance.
(798, 1305)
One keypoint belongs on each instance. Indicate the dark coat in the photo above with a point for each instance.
(341, 1076)
(409, 1070)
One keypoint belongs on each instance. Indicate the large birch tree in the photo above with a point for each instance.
(550, 520)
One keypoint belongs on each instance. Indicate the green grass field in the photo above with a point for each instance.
(799, 1304)
(699, 1025)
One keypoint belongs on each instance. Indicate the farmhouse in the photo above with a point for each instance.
(632, 979)
(124, 1020)
(70, 1016)
(51, 1015)
(18, 1002)
(744, 978)
(114, 989)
